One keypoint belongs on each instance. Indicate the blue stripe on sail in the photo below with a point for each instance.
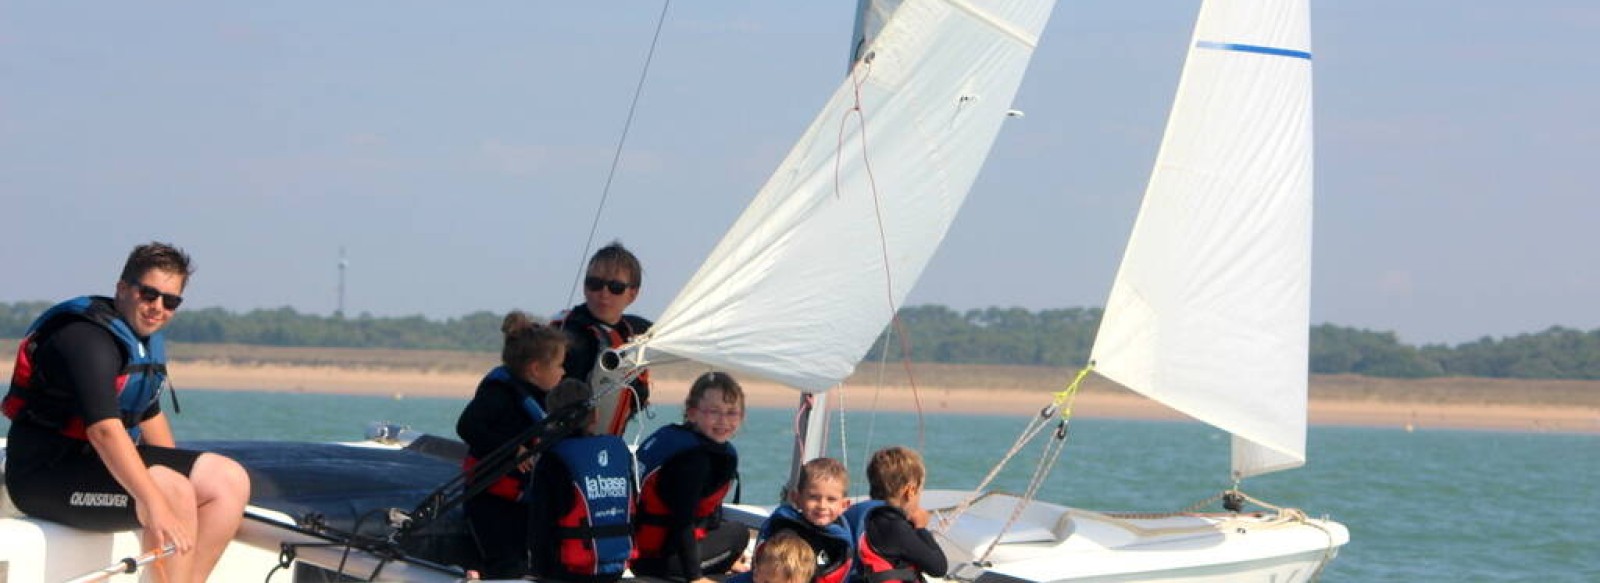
(1206, 44)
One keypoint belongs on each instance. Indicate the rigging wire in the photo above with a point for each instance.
(616, 157)
(858, 76)
(1060, 406)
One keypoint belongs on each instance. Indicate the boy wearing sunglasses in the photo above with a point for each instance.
(609, 287)
(89, 446)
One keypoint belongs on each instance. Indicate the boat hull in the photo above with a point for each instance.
(32, 549)
(1050, 542)
(40, 550)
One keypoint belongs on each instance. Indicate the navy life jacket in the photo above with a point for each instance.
(870, 566)
(507, 486)
(41, 402)
(595, 538)
(834, 543)
(666, 443)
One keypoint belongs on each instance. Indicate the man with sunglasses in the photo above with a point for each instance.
(89, 446)
(610, 286)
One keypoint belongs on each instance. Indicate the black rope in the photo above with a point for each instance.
(454, 492)
(466, 484)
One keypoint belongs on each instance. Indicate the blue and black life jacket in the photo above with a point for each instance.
(595, 538)
(871, 566)
(508, 486)
(650, 536)
(834, 543)
(617, 405)
(139, 384)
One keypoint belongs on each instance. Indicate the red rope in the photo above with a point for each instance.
(858, 75)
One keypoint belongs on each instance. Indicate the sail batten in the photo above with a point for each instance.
(811, 273)
(1209, 311)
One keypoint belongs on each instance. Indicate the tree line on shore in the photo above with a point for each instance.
(933, 333)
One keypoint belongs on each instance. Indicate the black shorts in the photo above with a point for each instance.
(77, 490)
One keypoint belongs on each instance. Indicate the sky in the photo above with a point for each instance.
(457, 158)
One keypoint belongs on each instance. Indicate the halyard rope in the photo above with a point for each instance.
(1060, 406)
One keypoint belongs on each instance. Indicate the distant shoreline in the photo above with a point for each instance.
(1349, 400)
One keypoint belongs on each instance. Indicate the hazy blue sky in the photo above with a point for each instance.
(458, 154)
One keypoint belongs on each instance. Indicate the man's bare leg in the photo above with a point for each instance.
(221, 490)
(175, 487)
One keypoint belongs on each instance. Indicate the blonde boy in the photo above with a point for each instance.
(820, 493)
(784, 558)
(814, 513)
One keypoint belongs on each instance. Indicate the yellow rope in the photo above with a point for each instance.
(1063, 400)
(1060, 405)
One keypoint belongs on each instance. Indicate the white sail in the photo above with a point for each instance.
(1209, 313)
(809, 275)
(870, 18)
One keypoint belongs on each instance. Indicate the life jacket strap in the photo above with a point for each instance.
(898, 574)
(603, 531)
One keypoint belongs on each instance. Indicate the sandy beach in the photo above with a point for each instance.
(1456, 403)
(1351, 401)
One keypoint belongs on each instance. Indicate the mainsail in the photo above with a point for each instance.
(809, 275)
(1209, 313)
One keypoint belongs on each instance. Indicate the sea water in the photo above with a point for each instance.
(1429, 505)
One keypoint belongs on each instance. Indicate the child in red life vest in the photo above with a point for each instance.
(687, 470)
(891, 529)
(509, 399)
(814, 513)
(580, 530)
(784, 558)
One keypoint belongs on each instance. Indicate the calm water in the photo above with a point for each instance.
(1424, 506)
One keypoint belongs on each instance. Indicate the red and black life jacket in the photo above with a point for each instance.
(507, 486)
(37, 400)
(594, 540)
(870, 565)
(616, 404)
(834, 544)
(650, 534)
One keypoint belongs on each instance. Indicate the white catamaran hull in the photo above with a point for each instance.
(1046, 542)
(1050, 542)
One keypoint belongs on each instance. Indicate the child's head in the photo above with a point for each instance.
(533, 351)
(612, 282)
(784, 558)
(819, 494)
(895, 475)
(568, 393)
(715, 406)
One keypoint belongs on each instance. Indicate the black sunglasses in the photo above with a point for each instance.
(616, 288)
(150, 294)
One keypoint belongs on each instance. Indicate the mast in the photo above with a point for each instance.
(339, 311)
(811, 411)
(807, 278)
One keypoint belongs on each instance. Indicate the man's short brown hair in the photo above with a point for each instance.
(156, 255)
